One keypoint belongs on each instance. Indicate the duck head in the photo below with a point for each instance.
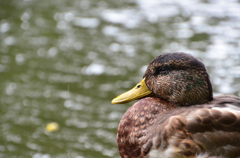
(175, 77)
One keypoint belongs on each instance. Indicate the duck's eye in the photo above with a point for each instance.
(161, 71)
(138, 86)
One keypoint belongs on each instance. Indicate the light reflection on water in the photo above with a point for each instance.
(63, 61)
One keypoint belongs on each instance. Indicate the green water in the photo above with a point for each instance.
(63, 61)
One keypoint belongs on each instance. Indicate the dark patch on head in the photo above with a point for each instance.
(200, 82)
(190, 78)
(163, 64)
(183, 75)
(188, 88)
(172, 59)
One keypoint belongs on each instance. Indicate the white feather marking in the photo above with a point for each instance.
(170, 152)
(202, 155)
(229, 107)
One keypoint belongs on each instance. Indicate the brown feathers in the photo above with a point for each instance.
(188, 130)
(134, 123)
(182, 119)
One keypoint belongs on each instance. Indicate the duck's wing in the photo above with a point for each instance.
(211, 129)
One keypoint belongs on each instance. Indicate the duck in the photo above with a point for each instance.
(176, 114)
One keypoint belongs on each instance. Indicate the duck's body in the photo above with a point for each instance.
(156, 128)
(179, 117)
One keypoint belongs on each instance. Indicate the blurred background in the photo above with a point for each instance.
(65, 60)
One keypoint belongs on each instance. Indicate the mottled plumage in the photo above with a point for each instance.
(179, 117)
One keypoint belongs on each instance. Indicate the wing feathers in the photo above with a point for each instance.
(195, 131)
(213, 119)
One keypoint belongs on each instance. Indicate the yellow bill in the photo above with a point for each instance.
(139, 91)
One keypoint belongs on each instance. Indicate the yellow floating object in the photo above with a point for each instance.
(52, 127)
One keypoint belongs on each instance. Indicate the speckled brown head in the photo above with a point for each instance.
(179, 78)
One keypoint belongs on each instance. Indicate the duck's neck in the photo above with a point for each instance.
(138, 117)
(143, 112)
